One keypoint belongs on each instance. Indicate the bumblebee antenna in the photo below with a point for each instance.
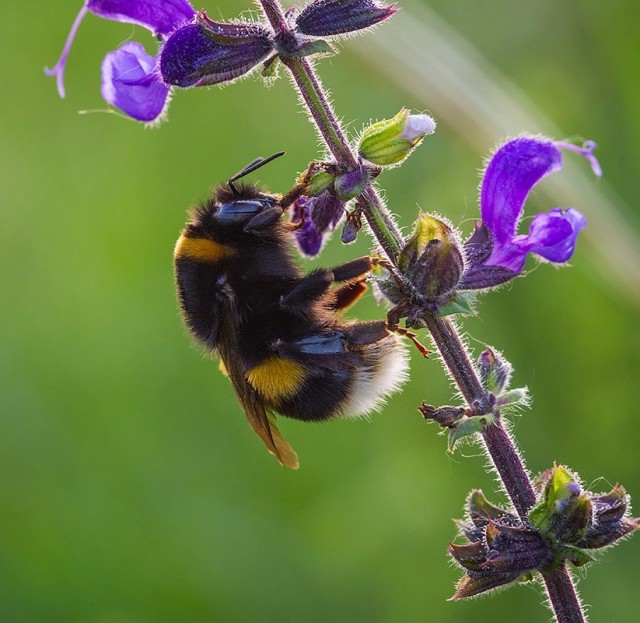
(250, 168)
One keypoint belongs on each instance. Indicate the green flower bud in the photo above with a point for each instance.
(565, 511)
(431, 257)
(389, 142)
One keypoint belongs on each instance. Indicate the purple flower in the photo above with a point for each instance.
(316, 217)
(496, 252)
(130, 78)
(211, 52)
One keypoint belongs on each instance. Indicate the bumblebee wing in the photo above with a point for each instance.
(263, 423)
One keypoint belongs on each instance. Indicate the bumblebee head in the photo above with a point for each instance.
(228, 212)
(237, 212)
(237, 207)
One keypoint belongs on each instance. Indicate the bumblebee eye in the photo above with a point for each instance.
(239, 211)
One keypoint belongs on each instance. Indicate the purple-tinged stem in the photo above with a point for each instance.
(314, 97)
(501, 449)
(562, 596)
(499, 445)
(505, 458)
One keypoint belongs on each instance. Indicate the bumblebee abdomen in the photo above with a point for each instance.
(331, 376)
(383, 371)
(320, 397)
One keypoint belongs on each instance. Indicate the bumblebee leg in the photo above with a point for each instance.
(301, 185)
(263, 221)
(365, 333)
(413, 337)
(354, 269)
(310, 288)
(347, 295)
(315, 285)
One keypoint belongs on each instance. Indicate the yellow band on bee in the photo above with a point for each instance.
(201, 249)
(276, 378)
(223, 368)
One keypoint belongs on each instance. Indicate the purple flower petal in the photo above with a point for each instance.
(130, 81)
(553, 235)
(196, 55)
(512, 172)
(307, 236)
(324, 18)
(325, 210)
(161, 17)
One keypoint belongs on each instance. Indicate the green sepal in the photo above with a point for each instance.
(425, 229)
(513, 397)
(461, 303)
(271, 68)
(318, 47)
(577, 557)
(469, 426)
(564, 512)
(555, 491)
(481, 509)
(319, 182)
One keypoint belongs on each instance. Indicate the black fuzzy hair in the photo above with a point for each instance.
(225, 194)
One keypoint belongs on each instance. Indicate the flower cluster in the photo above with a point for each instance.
(567, 524)
(330, 187)
(198, 51)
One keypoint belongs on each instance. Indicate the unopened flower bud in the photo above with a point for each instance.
(388, 143)
(565, 512)
(351, 227)
(431, 258)
(326, 18)
(495, 372)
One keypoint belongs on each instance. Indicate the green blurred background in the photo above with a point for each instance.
(132, 489)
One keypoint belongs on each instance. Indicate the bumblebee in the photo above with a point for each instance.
(279, 333)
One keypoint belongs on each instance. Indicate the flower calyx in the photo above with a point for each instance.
(390, 142)
(325, 189)
(430, 264)
(207, 52)
(335, 18)
(576, 520)
(461, 422)
(500, 548)
(567, 524)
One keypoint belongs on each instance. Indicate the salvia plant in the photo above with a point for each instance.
(553, 522)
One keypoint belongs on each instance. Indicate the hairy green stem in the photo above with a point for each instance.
(499, 445)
